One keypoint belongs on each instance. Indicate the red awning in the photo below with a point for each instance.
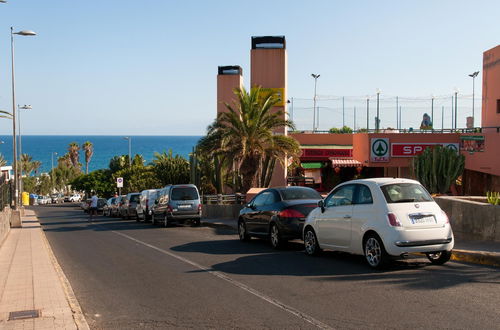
(342, 162)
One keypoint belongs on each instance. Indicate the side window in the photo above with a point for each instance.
(261, 199)
(363, 195)
(343, 196)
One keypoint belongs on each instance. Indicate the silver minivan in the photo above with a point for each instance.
(177, 203)
(144, 206)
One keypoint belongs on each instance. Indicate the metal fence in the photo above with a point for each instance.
(224, 199)
(5, 194)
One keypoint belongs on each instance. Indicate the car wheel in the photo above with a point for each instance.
(197, 222)
(311, 244)
(375, 253)
(439, 258)
(242, 231)
(165, 221)
(275, 238)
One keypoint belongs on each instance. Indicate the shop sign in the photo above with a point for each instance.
(413, 149)
(326, 153)
(280, 92)
(379, 150)
(472, 143)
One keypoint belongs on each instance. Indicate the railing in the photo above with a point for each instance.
(224, 199)
(409, 130)
(5, 194)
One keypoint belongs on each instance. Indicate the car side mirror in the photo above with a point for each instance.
(250, 206)
(321, 204)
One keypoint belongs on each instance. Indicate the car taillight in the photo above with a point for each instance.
(446, 219)
(393, 220)
(291, 213)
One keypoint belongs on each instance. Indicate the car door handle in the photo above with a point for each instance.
(347, 216)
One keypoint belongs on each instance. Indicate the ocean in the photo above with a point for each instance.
(42, 147)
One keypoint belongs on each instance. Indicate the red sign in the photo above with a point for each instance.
(409, 149)
(325, 153)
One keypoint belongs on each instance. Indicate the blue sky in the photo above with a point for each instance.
(149, 67)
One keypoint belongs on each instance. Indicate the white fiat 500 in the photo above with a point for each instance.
(380, 218)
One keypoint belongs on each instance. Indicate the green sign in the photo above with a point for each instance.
(472, 137)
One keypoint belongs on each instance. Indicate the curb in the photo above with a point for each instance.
(468, 256)
(78, 317)
(477, 257)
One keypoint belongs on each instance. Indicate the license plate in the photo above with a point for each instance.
(423, 220)
(184, 206)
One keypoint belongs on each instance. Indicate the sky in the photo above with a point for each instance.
(150, 67)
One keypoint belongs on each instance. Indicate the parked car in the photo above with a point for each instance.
(380, 218)
(115, 207)
(42, 200)
(75, 198)
(57, 198)
(146, 199)
(101, 202)
(106, 211)
(85, 205)
(177, 203)
(128, 209)
(278, 214)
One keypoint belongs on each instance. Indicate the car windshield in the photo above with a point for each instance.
(134, 198)
(299, 193)
(184, 194)
(405, 193)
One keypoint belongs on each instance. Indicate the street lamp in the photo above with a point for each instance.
(52, 171)
(14, 147)
(129, 138)
(315, 76)
(473, 76)
(456, 106)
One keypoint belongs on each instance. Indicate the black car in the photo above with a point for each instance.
(278, 214)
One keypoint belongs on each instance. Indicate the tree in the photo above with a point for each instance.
(118, 163)
(245, 135)
(99, 181)
(88, 147)
(74, 154)
(3, 161)
(170, 169)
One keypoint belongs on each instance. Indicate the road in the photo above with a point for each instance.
(129, 275)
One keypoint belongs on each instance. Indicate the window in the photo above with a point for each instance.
(342, 196)
(364, 195)
(184, 194)
(405, 193)
(260, 199)
(498, 106)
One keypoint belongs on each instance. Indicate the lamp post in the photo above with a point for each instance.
(315, 76)
(367, 113)
(24, 107)
(473, 76)
(14, 147)
(52, 172)
(377, 120)
(456, 106)
(129, 150)
(432, 111)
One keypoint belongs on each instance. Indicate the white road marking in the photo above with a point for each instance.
(240, 285)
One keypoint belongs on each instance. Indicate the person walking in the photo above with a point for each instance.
(93, 206)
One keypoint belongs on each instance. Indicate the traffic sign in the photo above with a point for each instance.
(119, 182)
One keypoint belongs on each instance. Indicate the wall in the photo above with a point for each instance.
(491, 87)
(487, 161)
(472, 220)
(320, 139)
(225, 86)
(213, 211)
(4, 224)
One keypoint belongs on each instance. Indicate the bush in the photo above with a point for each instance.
(343, 130)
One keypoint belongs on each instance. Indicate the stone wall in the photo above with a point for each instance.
(472, 220)
(4, 223)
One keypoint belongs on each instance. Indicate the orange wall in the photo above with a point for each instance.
(491, 87)
(225, 86)
(487, 161)
(318, 139)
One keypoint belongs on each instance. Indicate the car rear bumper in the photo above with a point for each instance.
(419, 240)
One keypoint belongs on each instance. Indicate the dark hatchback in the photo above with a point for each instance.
(278, 214)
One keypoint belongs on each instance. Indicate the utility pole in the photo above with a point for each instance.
(377, 121)
(343, 112)
(473, 76)
(442, 118)
(354, 128)
(367, 113)
(397, 112)
(400, 114)
(452, 113)
(432, 111)
(456, 108)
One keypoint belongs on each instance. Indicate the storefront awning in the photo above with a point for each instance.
(311, 165)
(342, 162)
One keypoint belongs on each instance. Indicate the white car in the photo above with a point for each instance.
(75, 198)
(380, 218)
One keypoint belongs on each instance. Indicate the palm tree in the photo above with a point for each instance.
(3, 161)
(245, 134)
(74, 154)
(88, 147)
(26, 164)
(5, 114)
(36, 166)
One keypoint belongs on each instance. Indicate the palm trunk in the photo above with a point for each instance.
(248, 171)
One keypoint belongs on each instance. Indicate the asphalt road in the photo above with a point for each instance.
(129, 275)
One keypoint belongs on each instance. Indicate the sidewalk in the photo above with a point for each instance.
(477, 252)
(31, 282)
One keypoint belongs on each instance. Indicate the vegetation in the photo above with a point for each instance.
(343, 130)
(242, 144)
(170, 169)
(88, 148)
(3, 161)
(436, 168)
(493, 197)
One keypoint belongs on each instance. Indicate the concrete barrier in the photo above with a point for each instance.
(471, 219)
(212, 211)
(4, 224)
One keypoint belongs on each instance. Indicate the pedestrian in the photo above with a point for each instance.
(93, 206)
